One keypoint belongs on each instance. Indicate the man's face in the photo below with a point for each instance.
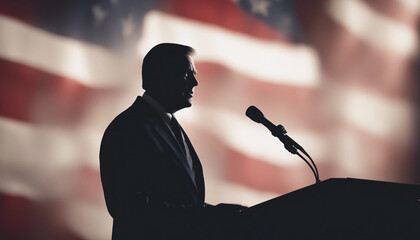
(182, 83)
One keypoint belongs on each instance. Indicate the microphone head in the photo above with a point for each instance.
(255, 114)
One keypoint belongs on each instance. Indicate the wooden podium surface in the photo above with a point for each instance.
(338, 208)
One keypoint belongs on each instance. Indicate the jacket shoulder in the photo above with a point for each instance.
(131, 119)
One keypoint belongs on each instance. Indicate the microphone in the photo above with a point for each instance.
(280, 132)
(257, 116)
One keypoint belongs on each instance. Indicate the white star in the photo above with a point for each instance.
(99, 13)
(260, 7)
(286, 21)
(127, 26)
(115, 2)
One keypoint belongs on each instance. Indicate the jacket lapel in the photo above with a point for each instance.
(160, 129)
(199, 178)
(171, 141)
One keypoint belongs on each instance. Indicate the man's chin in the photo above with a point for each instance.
(188, 102)
(185, 104)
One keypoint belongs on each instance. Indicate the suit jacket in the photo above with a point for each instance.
(149, 189)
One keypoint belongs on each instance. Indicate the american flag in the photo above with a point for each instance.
(340, 75)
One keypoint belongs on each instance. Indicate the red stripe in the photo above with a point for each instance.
(17, 218)
(17, 90)
(250, 172)
(256, 174)
(22, 9)
(292, 106)
(29, 94)
(309, 11)
(88, 186)
(395, 10)
(346, 58)
(385, 159)
(22, 218)
(222, 13)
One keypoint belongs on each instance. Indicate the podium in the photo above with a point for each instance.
(337, 208)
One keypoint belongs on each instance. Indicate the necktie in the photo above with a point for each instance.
(176, 129)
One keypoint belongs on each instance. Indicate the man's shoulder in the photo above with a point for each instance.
(135, 116)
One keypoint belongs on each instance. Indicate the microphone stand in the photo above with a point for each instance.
(293, 147)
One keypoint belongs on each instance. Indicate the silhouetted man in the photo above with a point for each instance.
(151, 175)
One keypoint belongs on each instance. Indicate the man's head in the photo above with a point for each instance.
(168, 74)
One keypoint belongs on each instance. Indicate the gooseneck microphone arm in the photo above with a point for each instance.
(280, 132)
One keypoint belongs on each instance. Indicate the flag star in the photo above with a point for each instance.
(127, 26)
(286, 21)
(99, 13)
(260, 7)
(115, 2)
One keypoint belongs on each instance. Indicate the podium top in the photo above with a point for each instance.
(338, 208)
(352, 188)
(392, 189)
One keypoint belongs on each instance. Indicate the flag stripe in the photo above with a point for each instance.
(94, 66)
(33, 156)
(403, 11)
(289, 105)
(225, 14)
(357, 63)
(23, 88)
(238, 167)
(245, 155)
(20, 10)
(247, 137)
(357, 17)
(222, 191)
(246, 171)
(361, 155)
(23, 218)
(17, 218)
(378, 116)
(79, 216)
(267, 61)
(413, 6)
(89, 64)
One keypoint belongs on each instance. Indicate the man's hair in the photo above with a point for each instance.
(161, 62)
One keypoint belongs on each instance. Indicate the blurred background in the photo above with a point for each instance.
(342, 76)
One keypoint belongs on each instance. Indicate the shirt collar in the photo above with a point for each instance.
(167, 117)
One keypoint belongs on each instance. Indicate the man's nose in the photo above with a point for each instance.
(193, 81)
